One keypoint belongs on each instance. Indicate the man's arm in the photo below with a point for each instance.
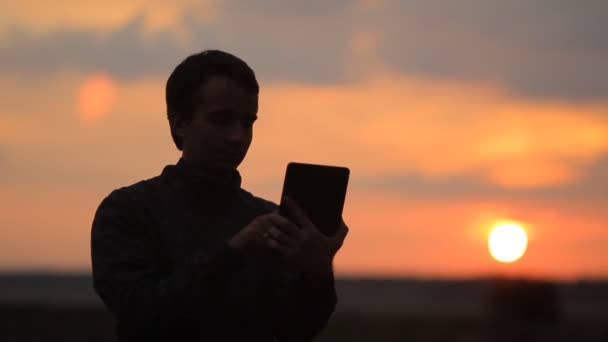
(306, 301)
(303, 305)
(126, 271)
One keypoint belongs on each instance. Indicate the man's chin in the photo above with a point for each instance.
(227, 166)
(216, 168)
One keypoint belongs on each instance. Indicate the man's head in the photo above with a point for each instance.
(212, 102)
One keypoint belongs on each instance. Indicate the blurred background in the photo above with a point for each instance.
(476, 132)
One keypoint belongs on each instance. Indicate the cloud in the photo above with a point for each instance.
(276, 49)
(591, 186)
(100, 16)
(305, 42)
(125, 53)
(540, 49)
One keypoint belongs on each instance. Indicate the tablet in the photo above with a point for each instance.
(320, 190)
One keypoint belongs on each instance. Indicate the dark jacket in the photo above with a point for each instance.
(162, 266)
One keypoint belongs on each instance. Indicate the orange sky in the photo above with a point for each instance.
(435, 162)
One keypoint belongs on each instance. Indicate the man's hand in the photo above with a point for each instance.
(251, 239)
(301, 242)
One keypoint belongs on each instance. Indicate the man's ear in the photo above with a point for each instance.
(178, 126)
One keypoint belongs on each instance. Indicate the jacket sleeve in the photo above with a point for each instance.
(127, 276)
(303, 305)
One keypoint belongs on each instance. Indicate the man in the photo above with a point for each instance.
(190, 256)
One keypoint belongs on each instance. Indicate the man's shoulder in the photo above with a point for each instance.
(260, 202)
(136, 191)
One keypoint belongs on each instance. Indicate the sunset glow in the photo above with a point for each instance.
(443, 148)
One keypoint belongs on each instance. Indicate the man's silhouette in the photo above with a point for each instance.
(190, 256)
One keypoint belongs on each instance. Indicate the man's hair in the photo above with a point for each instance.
(184, 83)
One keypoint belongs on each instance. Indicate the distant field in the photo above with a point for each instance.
(44, 308)
(37, 323)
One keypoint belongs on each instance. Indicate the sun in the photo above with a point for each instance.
(507, 242)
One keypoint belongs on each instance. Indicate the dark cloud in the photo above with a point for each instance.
(276, 49)
(309, 10)
(305, 41)
(591, 186)
(124, 52)
(539, 48)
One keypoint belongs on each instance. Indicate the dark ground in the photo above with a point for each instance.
(43, 307)
(39, 323)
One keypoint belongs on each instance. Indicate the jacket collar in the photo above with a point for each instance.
(202, 187)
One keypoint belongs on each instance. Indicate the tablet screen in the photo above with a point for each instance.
(320, 190)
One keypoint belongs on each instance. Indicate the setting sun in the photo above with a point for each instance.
(96, 96)
(507, 242)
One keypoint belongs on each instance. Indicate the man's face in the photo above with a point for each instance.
(219, 135)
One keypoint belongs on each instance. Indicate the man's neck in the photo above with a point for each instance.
(207, 173)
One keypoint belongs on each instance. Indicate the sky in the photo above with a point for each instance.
(452, 117)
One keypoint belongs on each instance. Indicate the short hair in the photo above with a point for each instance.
(183, 85)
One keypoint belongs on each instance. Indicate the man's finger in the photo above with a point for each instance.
(342, 231)
(338, 238)
(299, 215)
(284, 224)
(275, 245)
(277, 234)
